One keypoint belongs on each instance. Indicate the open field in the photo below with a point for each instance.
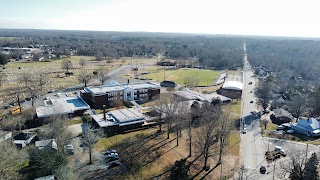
(204, 77)
(8, 38)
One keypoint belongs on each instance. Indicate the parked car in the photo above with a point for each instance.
(250, 82)
(278, 149)
(290, 131)
(280, 128)
(113, 164)
(112, 157)
(263, 170)
(109, 151)
(251, 101)
(28, 99)
(69, 149)
(51, 91)
(244, 130)
(267, 110)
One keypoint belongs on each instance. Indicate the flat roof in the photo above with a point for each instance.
(194, 95)
(234, 85)
(62, 106)
(104, 89)
(119, 117)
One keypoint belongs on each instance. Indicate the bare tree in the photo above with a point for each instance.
(85, 77)
(167, 105)
(294, 166)
(194, 116)
(297, 105)
(99, 56)
(206, 135)
(264, 93)
(65, 172)
(11, 160)
(224, 129)
(82, 63)
(33, 92)
(66, 64)
(103, 74)
(89, 139)
(42, 80)
(25, 78)
(242, 173)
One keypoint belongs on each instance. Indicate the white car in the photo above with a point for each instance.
(244, 130)
(70, 149)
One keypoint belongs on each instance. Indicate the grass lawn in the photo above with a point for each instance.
(204, 77)
(76, 120)
(234, 143)
(9, 38)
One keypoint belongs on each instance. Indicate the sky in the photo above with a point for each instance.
(294, 18)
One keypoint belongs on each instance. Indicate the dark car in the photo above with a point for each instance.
(263, 170)
(251, 101)
(113, 164)
(168, 84)
(28, 99)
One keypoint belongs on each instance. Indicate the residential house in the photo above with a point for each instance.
(231, 89)
(282, 116)
(46, 144)
(23, 139)
(309, 127)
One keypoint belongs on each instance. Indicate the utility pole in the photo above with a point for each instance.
(306, 154)
(274, 169)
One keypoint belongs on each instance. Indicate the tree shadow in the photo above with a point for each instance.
(210, 171)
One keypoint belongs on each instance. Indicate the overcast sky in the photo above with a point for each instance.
(298, 18)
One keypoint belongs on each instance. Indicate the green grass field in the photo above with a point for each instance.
(9, 38)
(204, 77)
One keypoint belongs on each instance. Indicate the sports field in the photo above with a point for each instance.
(182, 76)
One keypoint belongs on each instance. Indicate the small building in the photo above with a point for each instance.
(231, 89)
(71, 106)
(168, 84)
(119, 120)
(46, 144)
(194, 95)
(98, 96)
(309, 127)
(282, 116)
(5, 135)
(23, 139)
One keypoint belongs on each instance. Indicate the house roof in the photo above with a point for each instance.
(50, 143)
(311, 124)
(4, 133)
(234, 85)
(281, 113)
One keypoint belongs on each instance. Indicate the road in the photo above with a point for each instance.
(252, 145)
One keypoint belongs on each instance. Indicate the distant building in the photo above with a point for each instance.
(231, 89)
(119, 120)
(98, 96)
(309, 127)
(168, 84)
(63, 106)
(193, 95)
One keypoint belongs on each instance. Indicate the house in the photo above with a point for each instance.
(194, 95)
(71, 106)
(5, 135)
(309, 127)
(23, 139)
(282, 116)
(231, 89)
(119, 120)
(46, 144)
(98, 96)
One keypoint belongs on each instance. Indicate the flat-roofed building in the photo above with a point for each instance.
(231, 89)
(118, 120)
(98, 96)
(63, 106)
(194, 95)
